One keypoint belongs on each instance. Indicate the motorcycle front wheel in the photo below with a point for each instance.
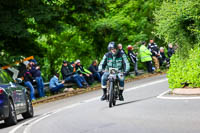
(111, 94)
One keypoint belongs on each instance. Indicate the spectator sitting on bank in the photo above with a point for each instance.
(70, 76)
(94, 69)
(86, 73)
(133, 58)
(55, 86)
(28, 79)
(163, 59)
(36, 73)
(73, 69)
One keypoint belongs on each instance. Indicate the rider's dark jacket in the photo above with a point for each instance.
(118, 61)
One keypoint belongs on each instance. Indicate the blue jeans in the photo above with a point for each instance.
(104, 79)
(30, 86)
(40, 86)
(82, 79)
(57, 88)
(75, 78)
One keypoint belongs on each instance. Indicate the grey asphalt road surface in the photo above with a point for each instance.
(141, 112)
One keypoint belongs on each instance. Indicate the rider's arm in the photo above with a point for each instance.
(102, 64)
(127, 64)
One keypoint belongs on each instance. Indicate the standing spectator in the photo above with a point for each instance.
(70, 76)
(36, 73)
(133, 58)
(121, 50)
(22, 69)
(170, 50)
(54, 84)
(94, 69)
(145, 55)
(163, 58)
(86, 73)
(28, 79)
(154, 50)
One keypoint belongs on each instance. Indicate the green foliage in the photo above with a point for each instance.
(57, 30)
(6, 58)
(184, 72)
(178, 22)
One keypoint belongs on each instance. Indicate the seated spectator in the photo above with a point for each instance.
(36, 73)
(86, 73)
(94, 69)
(54, 84)
(133, 58)
(73, 69)
(162, 58)
(70, 76)
(28, 79)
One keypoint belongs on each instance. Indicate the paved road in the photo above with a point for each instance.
(141, 112)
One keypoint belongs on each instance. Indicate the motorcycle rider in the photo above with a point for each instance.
(114, 59)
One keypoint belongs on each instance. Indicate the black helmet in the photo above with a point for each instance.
(112, 45)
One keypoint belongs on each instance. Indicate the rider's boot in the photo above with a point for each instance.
(121, 98)
(104, 94)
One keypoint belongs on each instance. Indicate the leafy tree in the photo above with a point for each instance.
(57, 30)
(178, 22)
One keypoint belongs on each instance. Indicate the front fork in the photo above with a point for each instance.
(115, 87)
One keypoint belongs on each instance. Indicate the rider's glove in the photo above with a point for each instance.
(126, 73)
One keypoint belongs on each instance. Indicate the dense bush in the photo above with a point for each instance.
(185, 72)
(178, 22)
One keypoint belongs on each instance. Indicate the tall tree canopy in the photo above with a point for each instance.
(56, 30)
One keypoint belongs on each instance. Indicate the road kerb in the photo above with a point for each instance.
(81, 91)
(187, 91)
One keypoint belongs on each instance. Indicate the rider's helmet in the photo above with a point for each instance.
(130, 47)
(112, 45)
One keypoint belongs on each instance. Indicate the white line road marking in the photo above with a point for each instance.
(25, 123)
(147, 84)
(161, 96)
(28, 128)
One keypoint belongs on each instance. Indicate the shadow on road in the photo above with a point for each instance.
(139, 100)
(2, 125)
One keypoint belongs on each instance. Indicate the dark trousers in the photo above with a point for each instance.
(57, 88)
(89, 79)
(97, 76)
(149, 66)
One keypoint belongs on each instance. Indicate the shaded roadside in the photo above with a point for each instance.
(79, 91)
